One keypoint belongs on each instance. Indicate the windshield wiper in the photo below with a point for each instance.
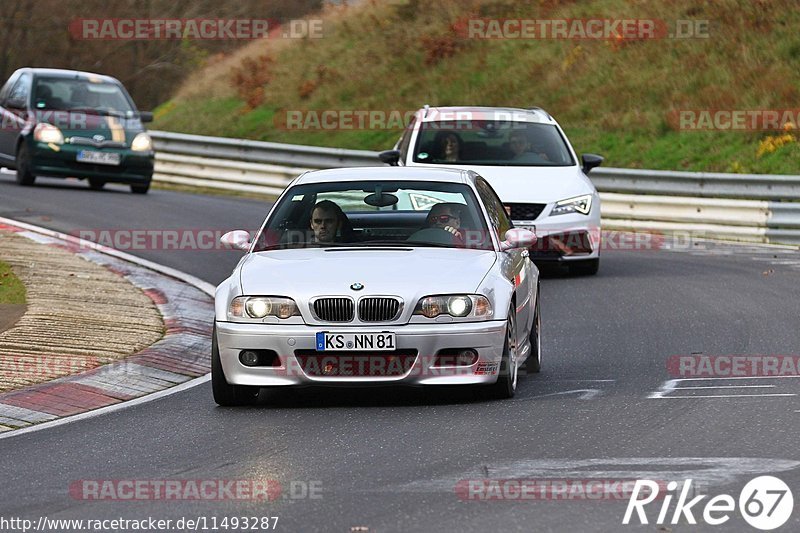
(99, 111)
(407, 244)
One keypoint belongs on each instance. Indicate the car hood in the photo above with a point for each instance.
(87, 125)
(534, 184)
(406, 272)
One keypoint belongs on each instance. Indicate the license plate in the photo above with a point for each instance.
(355, 342)
(100, 158)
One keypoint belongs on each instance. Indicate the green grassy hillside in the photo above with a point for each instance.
(613, 97)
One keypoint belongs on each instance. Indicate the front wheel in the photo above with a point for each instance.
(225, 394)
(24, 175)
(506, 384)
(534, 362)
(140, 189)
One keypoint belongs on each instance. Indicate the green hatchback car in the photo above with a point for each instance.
(65, 123)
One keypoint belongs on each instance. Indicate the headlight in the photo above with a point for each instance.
(579, 204)
(47, 133)
(142, 143)
(455, 305)
(256, 307)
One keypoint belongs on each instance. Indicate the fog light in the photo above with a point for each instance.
(249, 358)
(466, 358)
(456, 357)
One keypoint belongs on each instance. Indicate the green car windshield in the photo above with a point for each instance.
(62, 94)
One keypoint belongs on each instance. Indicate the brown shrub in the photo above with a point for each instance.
(251, 78)
(307, 88)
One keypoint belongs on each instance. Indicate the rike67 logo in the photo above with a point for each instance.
(766, 503)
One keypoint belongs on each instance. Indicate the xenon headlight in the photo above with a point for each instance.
(256, 307)
(579, 204)
(455, 305)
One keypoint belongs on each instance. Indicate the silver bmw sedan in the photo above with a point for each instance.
(386, 275)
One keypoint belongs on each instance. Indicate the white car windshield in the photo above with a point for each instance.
(376, 214)
(492, 143)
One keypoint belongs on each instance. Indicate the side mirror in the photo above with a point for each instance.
(589, 161)
(15, 103)
(145, 116)
(237, 239)
(518, 238)
(390, 157)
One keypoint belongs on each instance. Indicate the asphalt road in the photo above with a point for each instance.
(391, 460)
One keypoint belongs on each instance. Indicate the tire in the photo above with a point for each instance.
(24, 175)
(225, 394)
(96, 184)
(533, 365)
(506, 384)
(140, 189)
(588, 267)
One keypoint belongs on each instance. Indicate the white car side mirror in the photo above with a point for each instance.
(238, 239)
(518, 238)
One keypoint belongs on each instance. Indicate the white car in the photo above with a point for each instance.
(527, 158)
(365, 276)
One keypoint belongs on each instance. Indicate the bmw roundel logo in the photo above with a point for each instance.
(356, 286)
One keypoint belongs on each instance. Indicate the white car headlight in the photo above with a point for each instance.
(47, 133)
(257, 307)
(455, 305)
(142, 143)
(579, 204)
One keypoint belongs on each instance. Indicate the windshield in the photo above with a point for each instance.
(81, 95)
(492, 143)
(376, 214)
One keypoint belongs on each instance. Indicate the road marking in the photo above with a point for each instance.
(585, 380)
(109, 409)
(725, 396)
(671, 385)
(727, 387)
(587, 394)
(736, 377)
(203, 286)
(708, 471)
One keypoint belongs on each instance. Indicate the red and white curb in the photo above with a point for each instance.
(178, 361)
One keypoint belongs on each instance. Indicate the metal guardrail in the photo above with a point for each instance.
(750, 207)
(261, 152)
(698, 184)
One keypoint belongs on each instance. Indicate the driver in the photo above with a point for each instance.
(326, 220)
(447, 217)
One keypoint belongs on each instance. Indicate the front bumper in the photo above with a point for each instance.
(61, 161)
(565, 238)
(486, 338)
